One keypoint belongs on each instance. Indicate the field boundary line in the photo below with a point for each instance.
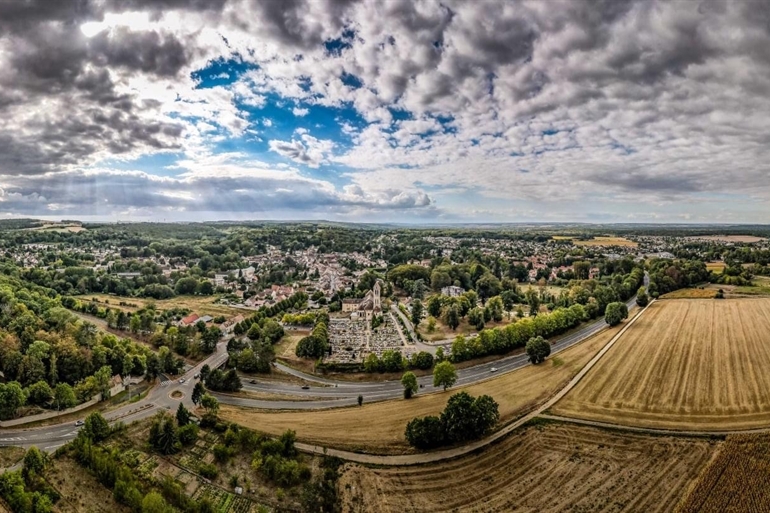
(455, 452)
(655, 431)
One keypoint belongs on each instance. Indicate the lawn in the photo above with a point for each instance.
(202, 305)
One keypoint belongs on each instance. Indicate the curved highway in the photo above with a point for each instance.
(334, 393)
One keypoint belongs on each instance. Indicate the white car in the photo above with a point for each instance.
(79, 422)
(181, 380)
(493, 369)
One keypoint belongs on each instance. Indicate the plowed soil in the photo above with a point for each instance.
(685, 364)
(554, 468)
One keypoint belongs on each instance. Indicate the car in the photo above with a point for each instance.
(253, 381)
(305, 387)
(79, 423)
(181, 380)
(197, 376)
(493, 369)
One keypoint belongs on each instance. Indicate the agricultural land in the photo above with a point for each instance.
(685, 364)
(551, 468)
(347, 428)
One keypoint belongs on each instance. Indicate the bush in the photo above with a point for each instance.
(188, 434)
(208, 470)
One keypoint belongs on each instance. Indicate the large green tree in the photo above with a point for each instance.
(444, 375)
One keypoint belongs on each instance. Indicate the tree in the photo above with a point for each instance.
(615, 313)
(720, 294)
(425, 432)
(434, 306)
(205, 370)
(422, 360)
(533, 300)
(488, 286)
(641, 297)
(39, 394)
(154, 502)
(538, 349)
(254, 333)
(182, 415)
(416, 312)
(476, 318)
(11, 399)
(188, 433)
(431, 324)
(164, 436)
(64, 396)
(452, 317)
(34, 461)
(272, 331)
(96, 427)
(210, 404)
(197, 393)
(444, 375)
(495, 308)
(409, 382)
(209, 339)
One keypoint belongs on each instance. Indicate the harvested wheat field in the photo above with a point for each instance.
(379, 427)
(556, 467)
(684, 364)
(737, 480)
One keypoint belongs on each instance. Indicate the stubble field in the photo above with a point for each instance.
(685, 364)
(379, 427)
(737, 480)
(554, 468)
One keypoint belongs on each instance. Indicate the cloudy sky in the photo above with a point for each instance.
(376, 110)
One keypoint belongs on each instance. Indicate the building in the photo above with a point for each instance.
(189, 320)
(350, 305)
(452, 291)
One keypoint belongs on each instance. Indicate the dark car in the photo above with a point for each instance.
(305, 387)
(253, 381)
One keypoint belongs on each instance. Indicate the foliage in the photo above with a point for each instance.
(538, 349)
(223, 381)
(444, 375)
(464, 418)
(164, 436)
(96, 427)
(409, 382)
(615, 313)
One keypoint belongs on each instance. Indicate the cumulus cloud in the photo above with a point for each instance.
(645, 108)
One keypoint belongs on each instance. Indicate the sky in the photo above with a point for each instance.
(408, 111)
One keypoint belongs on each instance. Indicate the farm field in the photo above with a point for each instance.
(605, 241)
(551, 468)
(379, 427)
(745, 239)
(685, 364)
(716, 267)
(737, 480)
(202, 305)
(705, 293)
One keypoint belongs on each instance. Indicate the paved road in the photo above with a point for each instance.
(339, 393)
(345, 393)
(158, 398)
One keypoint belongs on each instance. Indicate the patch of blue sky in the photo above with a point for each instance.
(156, 164)
(221, 72)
